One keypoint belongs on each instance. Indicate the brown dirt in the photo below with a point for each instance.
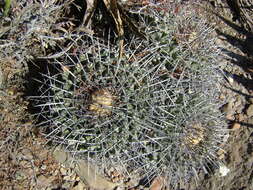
(238, 91)
(26, 163)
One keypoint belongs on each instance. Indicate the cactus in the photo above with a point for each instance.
(155, 112)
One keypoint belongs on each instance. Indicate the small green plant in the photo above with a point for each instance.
(7, 7)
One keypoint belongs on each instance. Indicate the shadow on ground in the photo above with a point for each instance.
(239, 56)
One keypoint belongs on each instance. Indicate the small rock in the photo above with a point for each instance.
(85, 170)
(225, 138)
(43, 167)
(123, 188)
(20, 176)
(223, 170)
(249, 111)
(43, 181)
(24, 163)
(225, 108)
(222, 97)
(67, 185)
(230, 80)
(250, 120)
(30, 172)
(221, 154)
(43, 154)
(60, 155)
(115, 179)
(77, 178)
(219, 41)
(221, 157)
(27, 154)
(228, 108)
(230, 117)
(238, 102)
(73, 177)
(79, 186)
(88, 174)
(63, 171)
(67, 178)
(235, 126)
(241, 117)
(36, 169)
(55, 173)
(157, 184)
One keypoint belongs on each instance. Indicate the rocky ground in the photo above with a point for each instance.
(26, 162)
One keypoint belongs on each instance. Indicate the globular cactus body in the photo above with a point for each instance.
(156, 112)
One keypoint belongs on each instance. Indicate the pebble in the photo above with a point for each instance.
(67, 178)
(157, 183)
(249, 111)
(24, 163)
(20, 176)
(230, 80)
(30, 172)
(55, 173)
(77, 178)
(225, 137)
(132, 188)
(115, 179)
(221, 157)
(222, 97)
(250, 120)
(241, 117)
(44, 154)
(221, 154)
(235, 126)
(238, 102)
(227, 108)
(43, 181)
(230, 117)
(66, 185)
(63, 171)
(43, 167)
(79, 186)
(36, 169)
(73, 177)
(223, 170)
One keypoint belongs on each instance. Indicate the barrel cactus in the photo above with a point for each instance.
(154, 112)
